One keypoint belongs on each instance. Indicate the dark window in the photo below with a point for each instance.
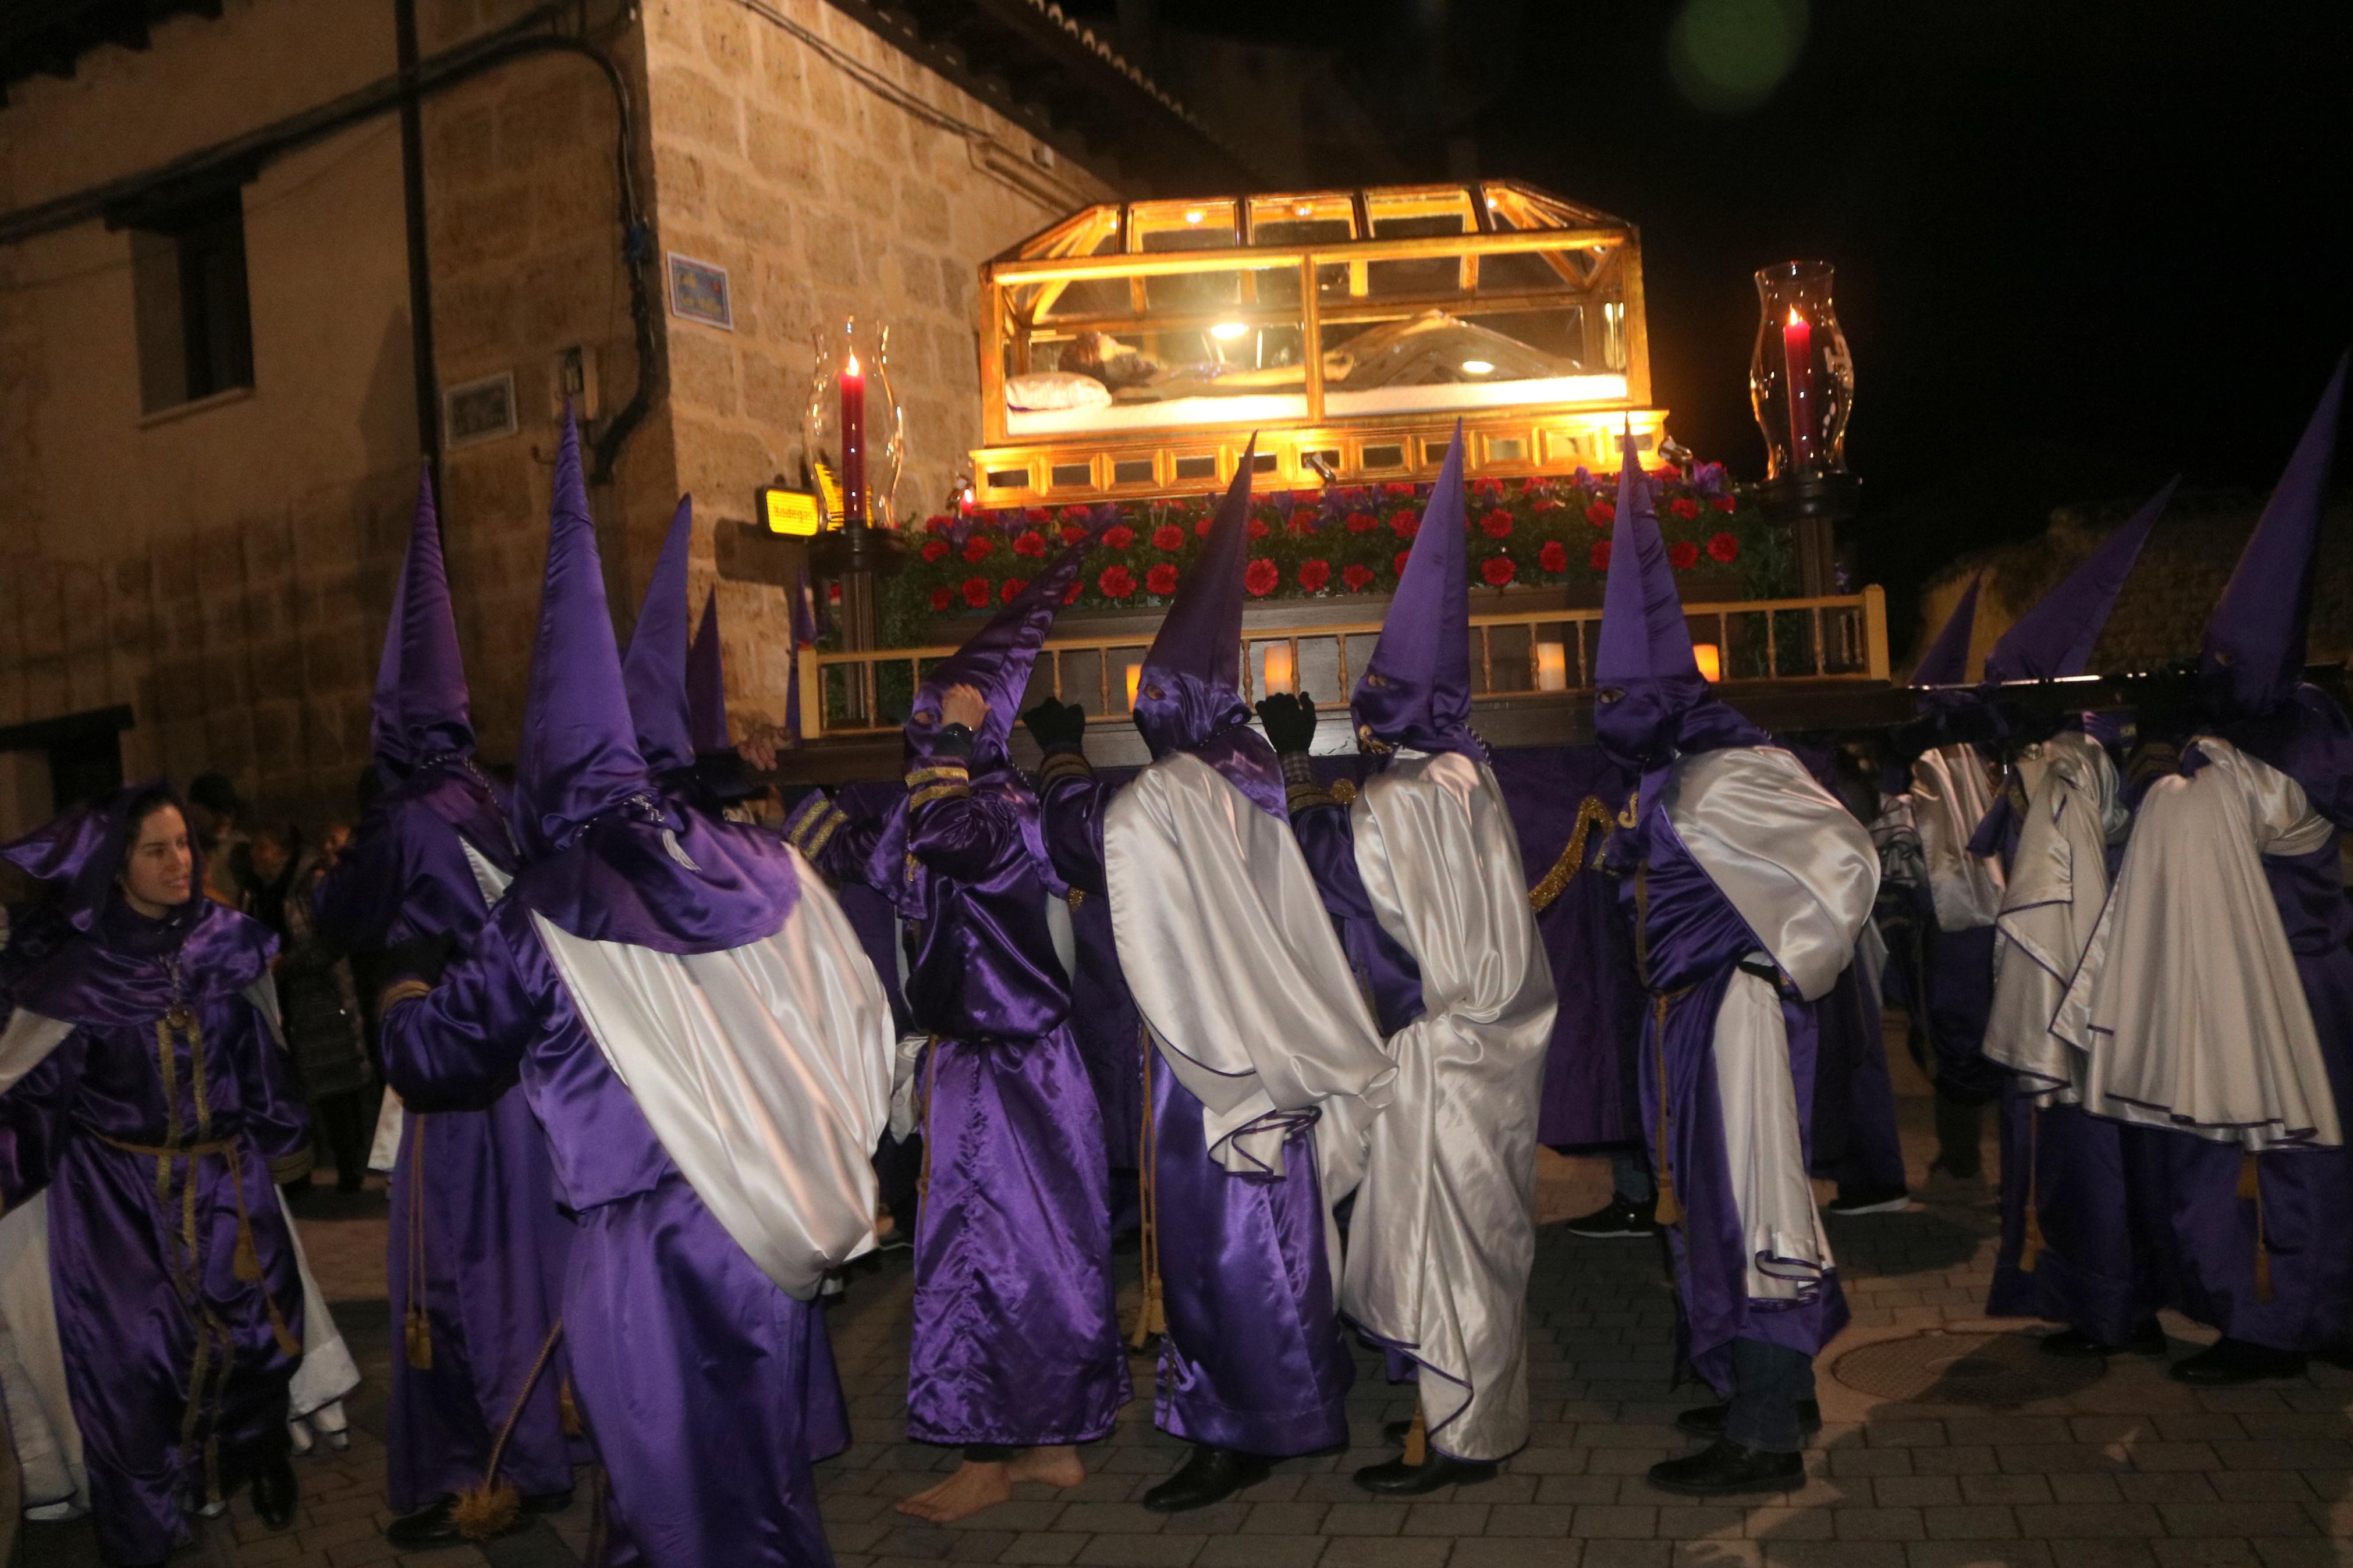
(188, 273)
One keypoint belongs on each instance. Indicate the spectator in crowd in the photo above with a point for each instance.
(317, 998)
(213, 815)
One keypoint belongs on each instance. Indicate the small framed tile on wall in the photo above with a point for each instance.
(480, 410)
(697, 292)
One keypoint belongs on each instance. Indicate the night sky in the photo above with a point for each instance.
(2079, 245)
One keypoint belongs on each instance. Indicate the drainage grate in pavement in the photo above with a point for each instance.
(1938, 1368)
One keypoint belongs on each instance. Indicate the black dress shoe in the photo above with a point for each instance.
(1725, 1467)
(2076, 1345)
(425, 1528)
(2229, 1361)
(1707, 1421)
(1854, 1201)
(275, 1490)
(1621, 1218)
(1397, 1478)
(1208, 1475)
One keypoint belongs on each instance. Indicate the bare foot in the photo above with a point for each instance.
(1055, 1466)
(973, 1486)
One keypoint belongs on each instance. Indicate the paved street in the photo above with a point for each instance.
(2129, 1469)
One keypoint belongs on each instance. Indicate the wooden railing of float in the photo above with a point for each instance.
(1838, 638)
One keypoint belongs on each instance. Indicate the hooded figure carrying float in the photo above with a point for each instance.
(2214, 1002)
(476, 1247)
(2083, 1237)
(1266, 1070)
(1747, 883)
(1442, 1237)
(708, 1053)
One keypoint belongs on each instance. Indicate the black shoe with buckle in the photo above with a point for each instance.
(1854, 1201)
(1725, 1467)
(2228, 1362)
(275, 1490)
(2076, 1345)
(1397, 1478)
(1208, 1475)
(1620, 1219)
(1707, 1421)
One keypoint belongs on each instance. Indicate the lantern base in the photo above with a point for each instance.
(840, 552)
(1794, 498)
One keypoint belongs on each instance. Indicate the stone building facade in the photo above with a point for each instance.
(212, 573)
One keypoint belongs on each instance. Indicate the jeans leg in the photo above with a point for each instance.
(1768, 1381)
(1629, 1174)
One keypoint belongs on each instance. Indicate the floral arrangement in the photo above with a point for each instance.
(1546, 532)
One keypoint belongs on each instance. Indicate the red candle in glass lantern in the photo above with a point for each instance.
(853, 444)
(1798, 360)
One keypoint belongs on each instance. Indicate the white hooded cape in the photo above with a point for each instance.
(1444, 1237)
(1950, 796)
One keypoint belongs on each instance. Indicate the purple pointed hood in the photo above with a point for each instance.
(1191, 685)
(2254, 650)
(420, 708)
(2054, 639)
(1946, 662)
(579, 757)
(997, 659)
(1646, 680)
(1416, 690)
(654, 670)
(706, 684)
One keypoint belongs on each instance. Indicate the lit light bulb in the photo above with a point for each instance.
(1302, 210)
(1476, 367)
(1193, 217)
(1227, 331)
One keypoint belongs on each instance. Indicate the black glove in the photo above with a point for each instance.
(421, 958)
(1289, 721)
(1056, 726)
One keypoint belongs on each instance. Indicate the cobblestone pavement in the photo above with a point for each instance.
(2131, 1470)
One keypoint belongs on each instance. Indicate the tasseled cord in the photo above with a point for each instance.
(2031, 1246)
(2251, 1188)
(486, 1511)
(1152, 1315)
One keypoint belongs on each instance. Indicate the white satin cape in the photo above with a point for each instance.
(32, 1360)
(764, 1071)
(1951, 793)
(1234, 966)
(2058, 883)
(1803, 873)
(1444, 1237)
(2188, 1001)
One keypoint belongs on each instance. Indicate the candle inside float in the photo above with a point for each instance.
(1798, 361)
(1710, 660)
(853, 442)
(1552, 666)
(1135, 678)
(1279, 677)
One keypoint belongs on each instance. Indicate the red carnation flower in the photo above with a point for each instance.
(1201, 529)
(1404, 524)
(1304, 519)
(1498, 569)
(1600, 556)
(1723, 548)
(1012, 586)
(1554, 556)
(942, 598)
(1076, 514)
(1258, 528)
(1072, 533)
(1601, 514)
(1030, 544)
(1161, 580)
(1043, 515)
(833, 593)
(1355, 577)
(1486, 486)
(1168, 537)
(976, 592)
(1548, 504)
(1260, 577)
(1395, 489)
(978, 548)
(1666, 471)
(1402, 557)
(1361, 522)
(1313, 574)
(1684, 507)
(1116, 582)
(1497, 524)
(934, 549)
(1070, 594)
(938, 524)
(1118, 537)
(1724, 502)
(1683, 555)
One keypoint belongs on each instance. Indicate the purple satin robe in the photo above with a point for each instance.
(144, 1251)
(1016, 1316)
(1694, 943)
(702, 1384)
(475, 1234)
(1254, 1358)
(1855, 1140)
